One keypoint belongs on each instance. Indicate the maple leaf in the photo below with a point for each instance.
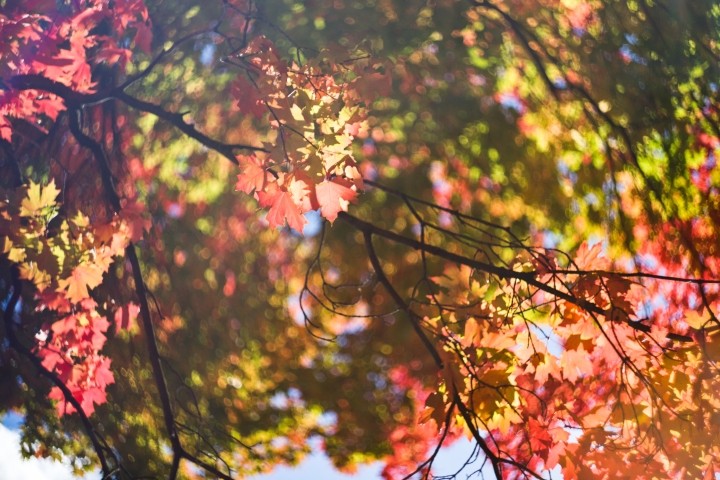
(569, 471)
(539, 436)
(65, 326)
(300, 188)
(575, 363)
(5, 129)
(591, 258)
(51, 358)
(84, 277)
(114, 56)
(55, 301)
(89, 398)
(62, 407)
(710, 473)
(38, 199)
(102, 374)
(333, 196)
(696, 320)
(283, 208)
(143, 36)
(545, 369)
(296, 113)
(98, 328)
(253, 177)
(374, 82)
(434, 410)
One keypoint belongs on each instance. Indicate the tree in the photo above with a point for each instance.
(509, 213)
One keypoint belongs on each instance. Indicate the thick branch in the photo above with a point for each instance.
(465, 414)
(179, 452)
(71, 98)
(76, 100)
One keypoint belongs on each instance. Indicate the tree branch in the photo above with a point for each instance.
(76, 100)
(528, 277)
(412, 316)
(176, 119)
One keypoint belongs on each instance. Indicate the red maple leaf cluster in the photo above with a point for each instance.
(63, 43)
(72, 348)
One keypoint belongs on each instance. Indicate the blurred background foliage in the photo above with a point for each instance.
(536, 115)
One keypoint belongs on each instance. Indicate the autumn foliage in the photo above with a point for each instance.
(232, 232)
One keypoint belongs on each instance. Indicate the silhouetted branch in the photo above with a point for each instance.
(76, 100)
(177, 120)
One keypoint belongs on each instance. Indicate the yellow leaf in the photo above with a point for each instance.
(503, 419)
(695, 320)
(30, 271)
(80, 220)
(296, 113)
(6, 245)
(16, 254)
(38, 199)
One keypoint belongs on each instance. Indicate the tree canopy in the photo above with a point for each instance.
(231, 230)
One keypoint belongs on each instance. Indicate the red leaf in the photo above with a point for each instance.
(51, 358)
(103, 376)
(89, 398)
(5, 129)
(134, 214)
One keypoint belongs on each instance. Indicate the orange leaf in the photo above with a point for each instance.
(83, 278)
(591, 258)
(710, 473)
(282, 209)
(253, 177)
(576, 363)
